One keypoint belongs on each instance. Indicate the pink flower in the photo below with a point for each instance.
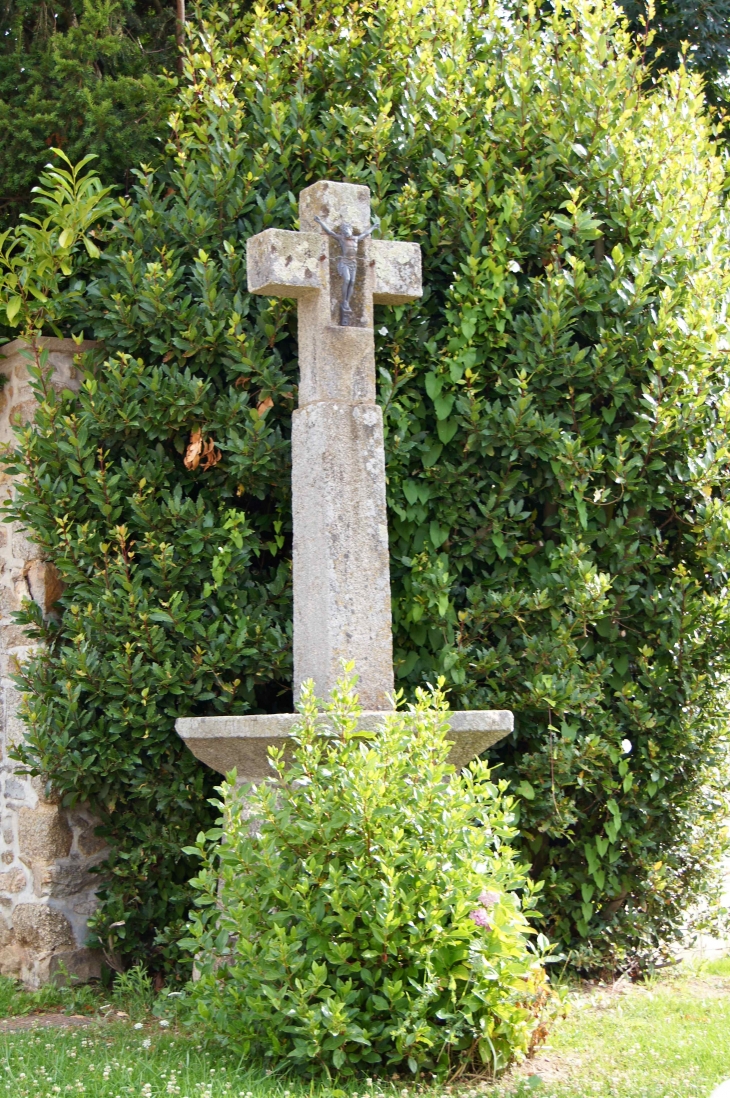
(488, 899)
(480, 917)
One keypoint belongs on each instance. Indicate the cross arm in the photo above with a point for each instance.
(397, 271)
(281, 263)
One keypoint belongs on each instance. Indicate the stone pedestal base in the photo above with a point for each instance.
(223, 743)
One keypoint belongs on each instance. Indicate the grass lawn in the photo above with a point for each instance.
(668, 1038)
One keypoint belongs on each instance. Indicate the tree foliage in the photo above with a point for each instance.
(372, 922)
(694, 31)
(556, 412)
(83, 75)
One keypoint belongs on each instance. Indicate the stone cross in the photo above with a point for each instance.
(341, 569)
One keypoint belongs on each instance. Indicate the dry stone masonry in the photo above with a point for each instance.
(46, 890)
(337, 272)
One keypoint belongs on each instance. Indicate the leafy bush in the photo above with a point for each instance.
(361, 913)
(557, 416)
(40, 255)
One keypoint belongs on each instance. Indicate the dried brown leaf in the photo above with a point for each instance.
(192, 454)
(264, 406)
(210, 455)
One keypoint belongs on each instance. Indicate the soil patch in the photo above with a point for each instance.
(43, 1021)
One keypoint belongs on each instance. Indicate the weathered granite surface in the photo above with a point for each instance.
(46, 890)
(341, 567)
(243, 742)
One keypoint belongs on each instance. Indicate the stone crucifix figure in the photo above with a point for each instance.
(341, 566)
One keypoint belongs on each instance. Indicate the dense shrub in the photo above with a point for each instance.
(89, 76)
(368, 919)
(557, 419)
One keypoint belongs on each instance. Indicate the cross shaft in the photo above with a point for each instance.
(341, 571)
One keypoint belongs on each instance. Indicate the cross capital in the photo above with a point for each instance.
(337, 272)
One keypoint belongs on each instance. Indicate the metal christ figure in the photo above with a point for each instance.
(347, 261)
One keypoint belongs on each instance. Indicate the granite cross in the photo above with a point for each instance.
(341, 572)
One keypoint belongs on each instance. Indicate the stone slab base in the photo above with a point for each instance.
(223, 743)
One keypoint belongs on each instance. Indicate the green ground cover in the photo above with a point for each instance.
(14, 1001)
(666, 1038)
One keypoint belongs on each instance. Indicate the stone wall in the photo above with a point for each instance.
(46, 890)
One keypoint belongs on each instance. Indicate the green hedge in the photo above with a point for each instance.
(556, 413)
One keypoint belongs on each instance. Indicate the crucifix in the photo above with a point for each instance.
(337, 272)
(346, 264)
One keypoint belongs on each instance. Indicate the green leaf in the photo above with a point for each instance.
(438, 534)
(432, 455)
(433, 385)
(443, 406)
(410, 491)
(446, 429)
(408, 664)
(621, 663)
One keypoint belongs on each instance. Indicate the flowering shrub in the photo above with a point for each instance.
(369, 919)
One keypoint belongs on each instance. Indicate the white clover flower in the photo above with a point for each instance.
(164, 1022)
(138, 1025)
